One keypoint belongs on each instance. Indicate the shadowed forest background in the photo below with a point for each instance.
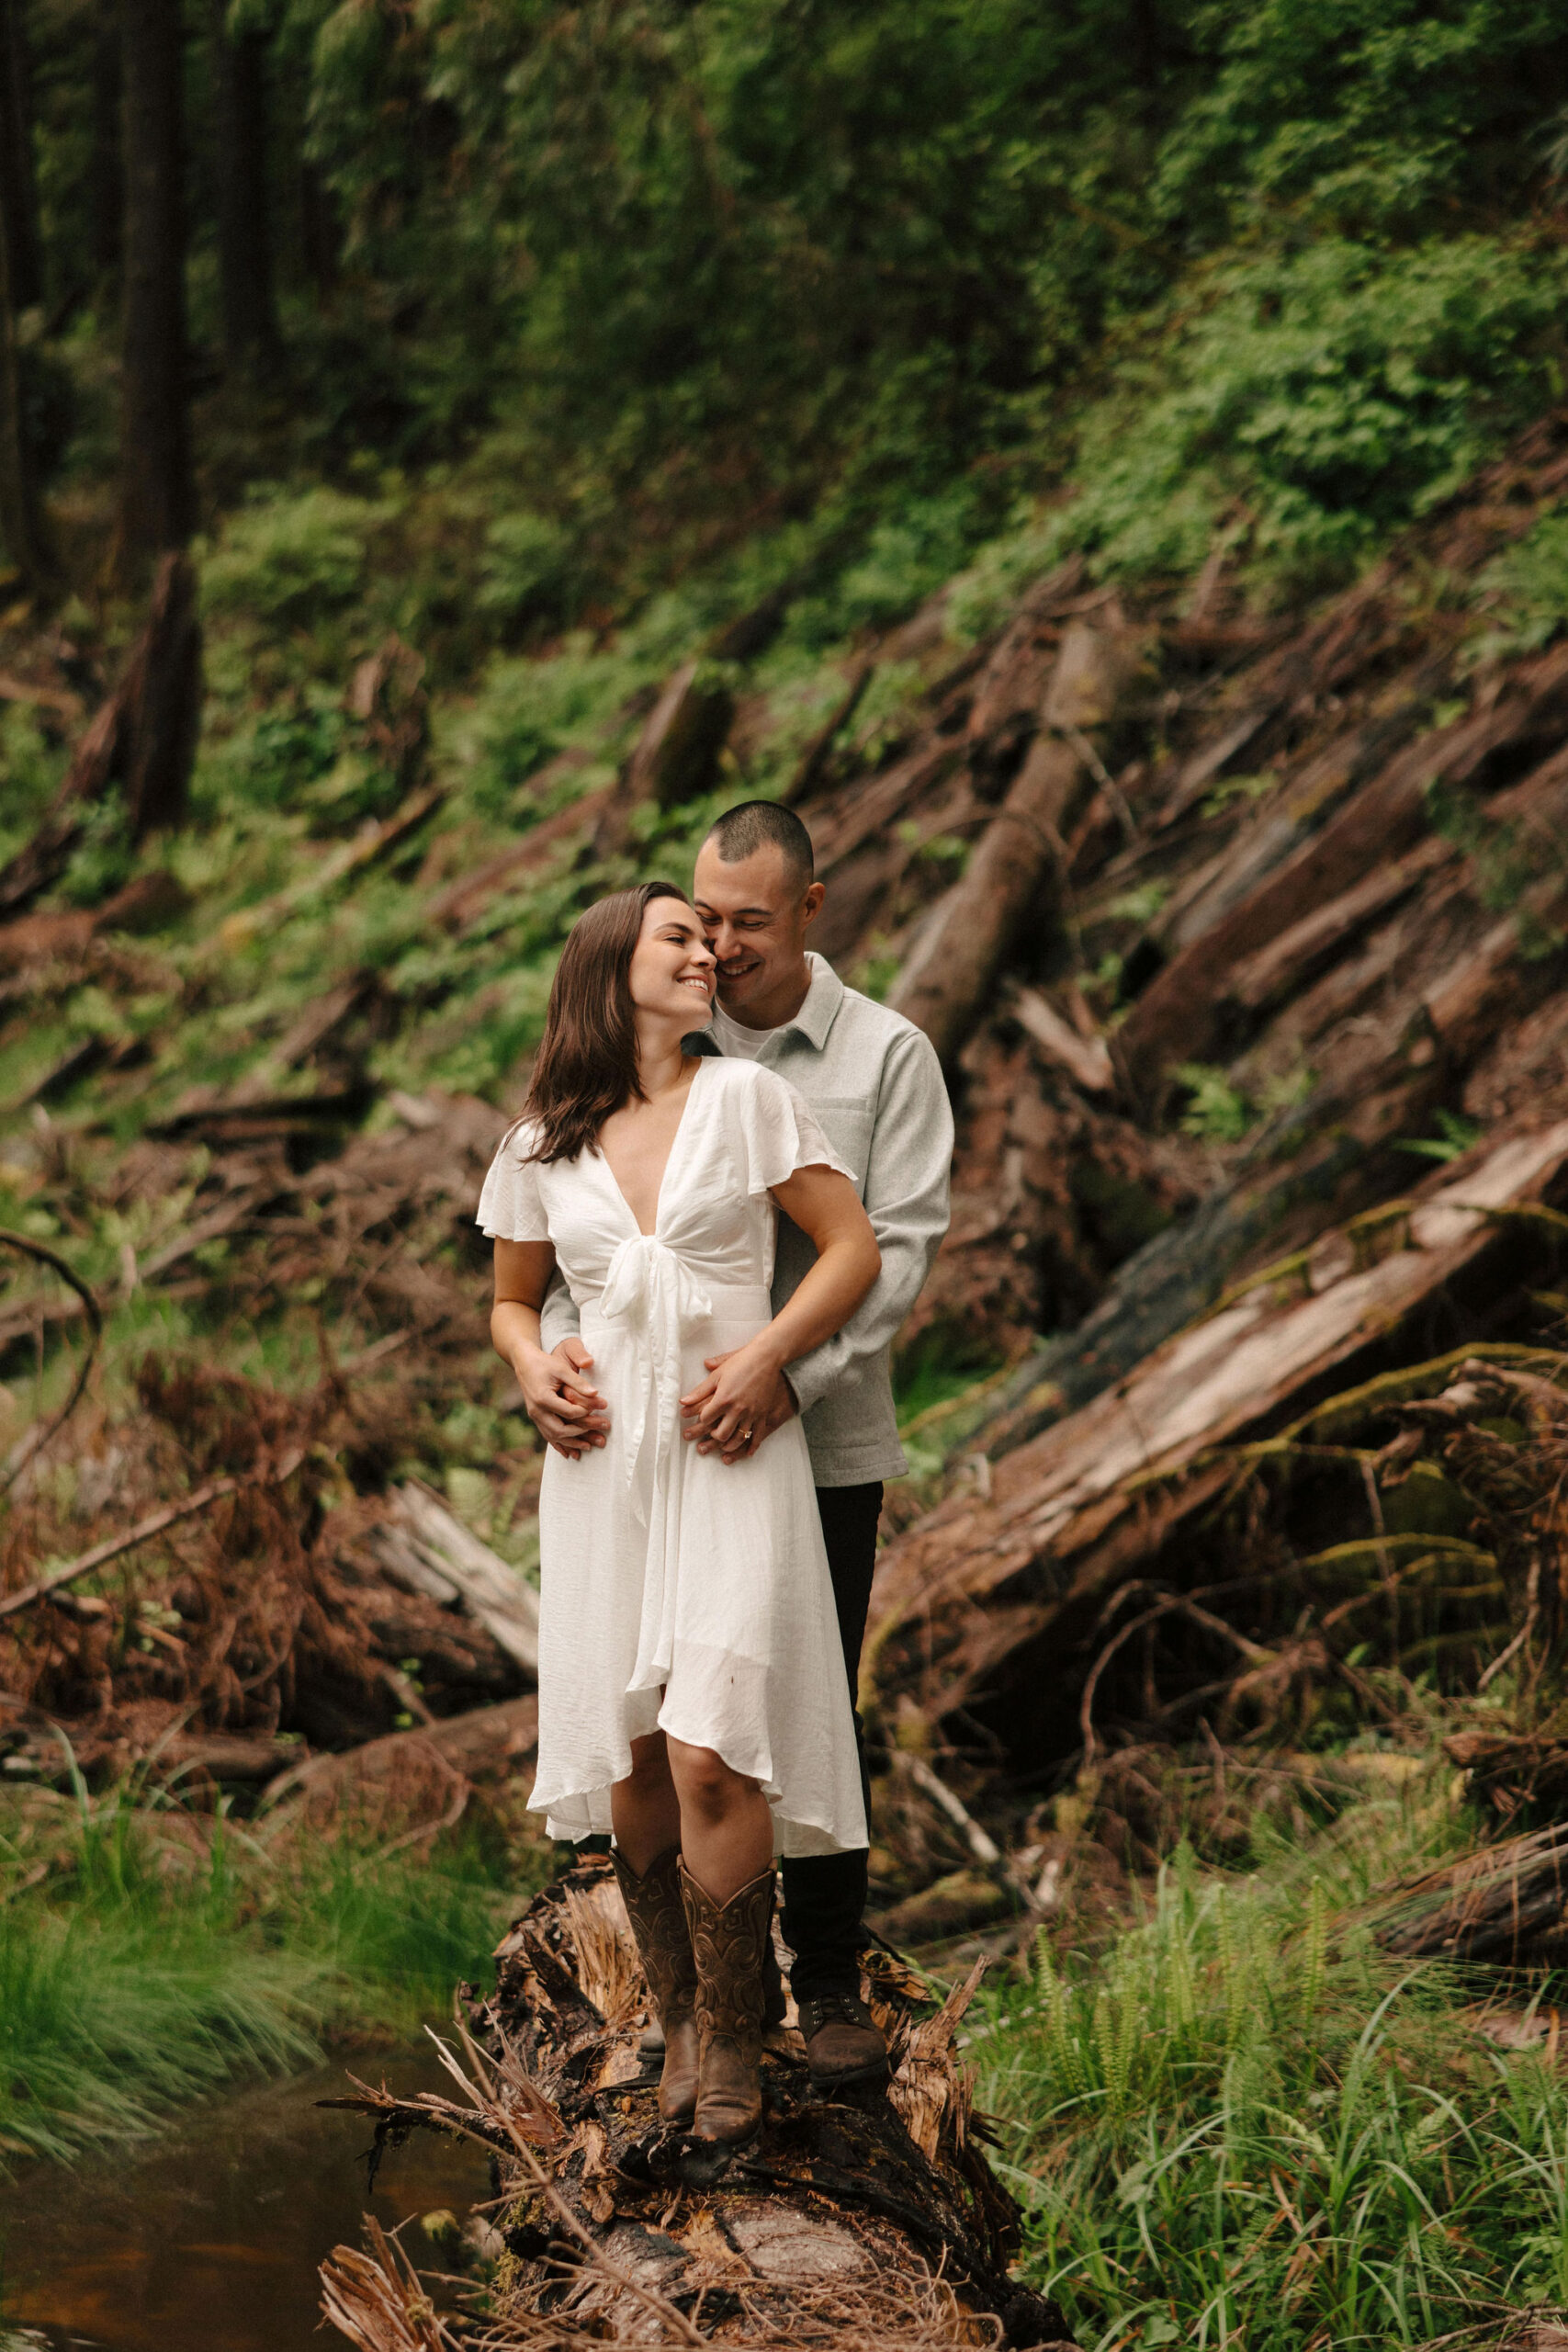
(1107, 465)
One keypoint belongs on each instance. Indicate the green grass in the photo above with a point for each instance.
(1244, 2124)
(148, 1956)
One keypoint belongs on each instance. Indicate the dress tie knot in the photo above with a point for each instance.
(650, 1288)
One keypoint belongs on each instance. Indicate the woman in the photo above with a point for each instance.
(692, 1691)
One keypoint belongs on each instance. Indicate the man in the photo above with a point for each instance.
(874, 1083)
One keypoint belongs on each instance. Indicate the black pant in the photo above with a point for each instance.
(824, 1895)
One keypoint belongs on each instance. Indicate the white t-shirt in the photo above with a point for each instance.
(735, 1038)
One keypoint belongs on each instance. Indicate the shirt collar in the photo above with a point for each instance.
(815, 1018)
(823, 999)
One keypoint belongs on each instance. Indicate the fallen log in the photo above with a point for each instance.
(435, 1554)
(1507, 1904)
(964, 943)
(676, 756)
(485, 1741)
(867, 2218)
(1290, 864)
(981, 1600)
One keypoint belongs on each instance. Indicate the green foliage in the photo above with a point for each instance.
(1454, 1137)
(103, 858)
(1325, 395)
(31, 765)
(1218, 1109)
(1360, 114)
(1525, 591)
(1245, 2124)
(288, 558)
(525, 712)
(525, 569)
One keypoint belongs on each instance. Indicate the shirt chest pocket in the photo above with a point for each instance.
(848, 1121)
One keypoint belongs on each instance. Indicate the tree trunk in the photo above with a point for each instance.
(161, 694)
(18, 186)
(947, 982)
(105, 162)
(143, 738)
(157, 496)
(869, 2217)
(251, 340)
(19, 523)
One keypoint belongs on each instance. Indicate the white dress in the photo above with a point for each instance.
(676, 1591)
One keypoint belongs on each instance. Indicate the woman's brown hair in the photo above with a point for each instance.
(586, 1067)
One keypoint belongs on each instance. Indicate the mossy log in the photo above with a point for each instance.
(1001, 1594)
(867, 2217)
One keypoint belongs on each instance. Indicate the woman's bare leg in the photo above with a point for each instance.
(727, 1831)
(643, 1808)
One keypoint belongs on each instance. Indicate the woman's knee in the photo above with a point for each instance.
(704, 1779)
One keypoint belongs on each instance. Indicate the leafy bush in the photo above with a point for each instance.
(527, 711)
(288, 558)
(525, 567)
(1327, 395)
(31, 765)
(1359, 114)
(1526, 590)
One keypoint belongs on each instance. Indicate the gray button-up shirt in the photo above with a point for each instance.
(874, 1082)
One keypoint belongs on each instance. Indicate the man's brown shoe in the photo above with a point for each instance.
(842, 2044)
(664, 1946)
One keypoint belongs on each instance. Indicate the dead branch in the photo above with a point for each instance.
(32, 1443)
(143, 1533)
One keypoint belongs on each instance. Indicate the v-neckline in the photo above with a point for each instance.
(652, 1232)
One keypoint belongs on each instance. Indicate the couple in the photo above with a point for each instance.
(709, 1224)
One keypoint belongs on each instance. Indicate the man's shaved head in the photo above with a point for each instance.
(765, 824)
(757, 896)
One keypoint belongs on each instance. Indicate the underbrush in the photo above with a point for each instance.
(1244, 2123)
(148, 1954)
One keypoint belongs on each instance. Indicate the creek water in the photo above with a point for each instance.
(208, 2240)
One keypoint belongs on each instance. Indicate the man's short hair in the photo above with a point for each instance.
(763, 824)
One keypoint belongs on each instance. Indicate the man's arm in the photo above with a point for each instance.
(558, 1318)
(906, 1180)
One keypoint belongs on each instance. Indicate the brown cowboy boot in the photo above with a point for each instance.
(775, 2009)
(728, 1940)
(664, 1945)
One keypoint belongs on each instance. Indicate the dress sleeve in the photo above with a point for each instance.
(781, 1133)
(510, 1206)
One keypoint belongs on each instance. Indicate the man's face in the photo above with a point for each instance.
(754, 915)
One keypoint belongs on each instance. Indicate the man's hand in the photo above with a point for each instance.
(566, 1410)
(744, 1399)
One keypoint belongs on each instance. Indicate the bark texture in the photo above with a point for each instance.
(157, 491)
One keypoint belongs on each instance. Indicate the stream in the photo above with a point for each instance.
(208, 2240)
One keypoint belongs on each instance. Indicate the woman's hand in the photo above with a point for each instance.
(743, 1399)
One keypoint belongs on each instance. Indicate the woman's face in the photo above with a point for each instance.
(672, 973)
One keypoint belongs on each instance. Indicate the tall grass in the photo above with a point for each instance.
(1245, 2125)
(147, 1956)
